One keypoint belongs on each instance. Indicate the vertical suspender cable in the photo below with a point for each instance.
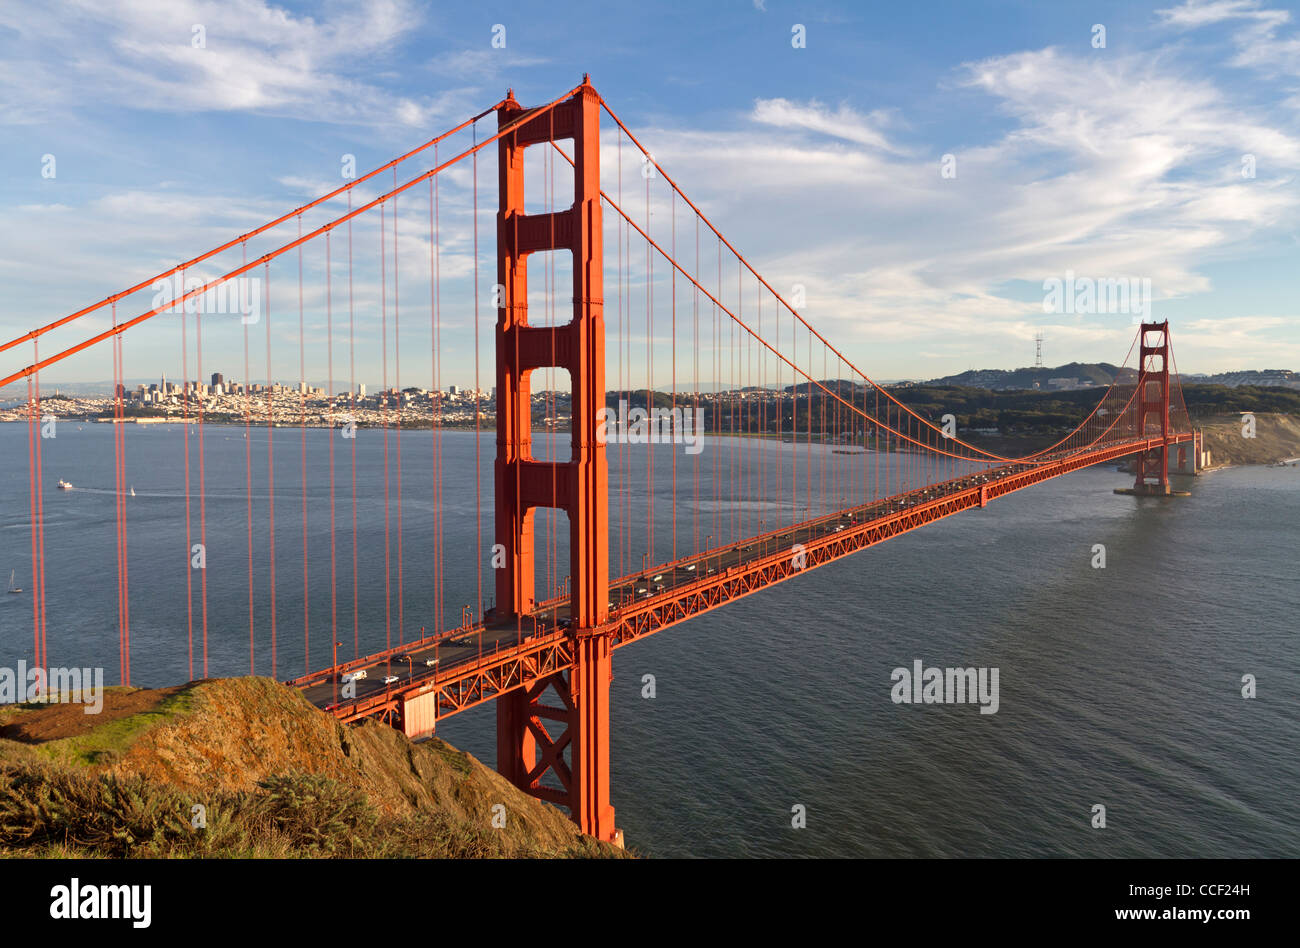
(270, 463)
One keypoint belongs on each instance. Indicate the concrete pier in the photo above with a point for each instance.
(1153, 490)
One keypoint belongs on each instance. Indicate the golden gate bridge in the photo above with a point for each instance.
(808, 459)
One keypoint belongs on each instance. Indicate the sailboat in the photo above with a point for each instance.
(132, 490)
(12, 588)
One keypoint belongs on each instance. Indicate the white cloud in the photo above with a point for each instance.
(844, 123)
(1259, 45)
(482, 65)
(1255, 341)
(255, 57)
(1196, 13)
(1128, 167)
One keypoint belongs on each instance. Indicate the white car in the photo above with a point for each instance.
(430, 662)
(389, 679)
(355, 676)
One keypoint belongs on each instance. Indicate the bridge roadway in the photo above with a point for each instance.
(478, 662)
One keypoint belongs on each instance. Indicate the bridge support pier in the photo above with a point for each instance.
(1190, 456)
(526, 749)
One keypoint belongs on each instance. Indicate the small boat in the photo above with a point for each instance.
(63, 485)
(132, 490)
(12, 588)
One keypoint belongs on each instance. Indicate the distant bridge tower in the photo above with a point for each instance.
(1153, 408)
(1038, 350)
(578, 486)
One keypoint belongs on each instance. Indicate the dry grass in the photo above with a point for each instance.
(276, 778)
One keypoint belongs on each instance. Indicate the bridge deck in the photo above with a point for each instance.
(479, 662)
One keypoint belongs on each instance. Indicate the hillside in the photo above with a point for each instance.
(1102, 374)
(276, 776)
(1277, 438)
(1031, 420)
(1099, 373)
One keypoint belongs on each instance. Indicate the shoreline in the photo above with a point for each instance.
(1274, 443)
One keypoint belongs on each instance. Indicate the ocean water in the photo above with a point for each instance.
(1119, 687)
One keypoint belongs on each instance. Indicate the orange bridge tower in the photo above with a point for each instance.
(527, 748)
(1153, 408)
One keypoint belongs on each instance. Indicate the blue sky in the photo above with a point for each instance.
(822, 164)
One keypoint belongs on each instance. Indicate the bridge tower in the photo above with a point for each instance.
(1153, 408)
(526, 749)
